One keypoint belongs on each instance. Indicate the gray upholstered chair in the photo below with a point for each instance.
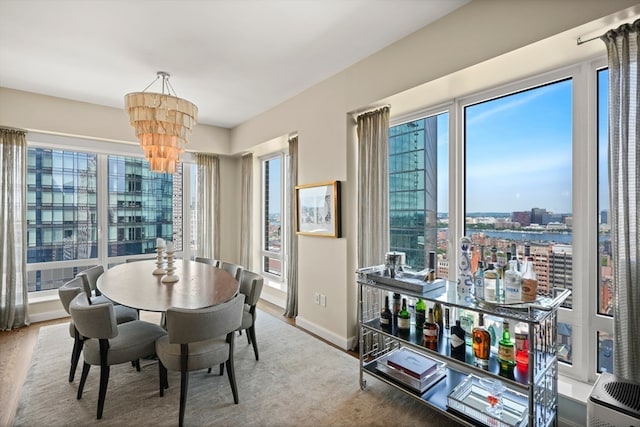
(67, 293)
(210, 261)
(90, 282)
(234, 269)
(108, 343)
(251, 287)
(199, 339)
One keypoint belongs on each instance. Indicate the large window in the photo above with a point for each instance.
(272, 209)
(72, 195)
(527, 165)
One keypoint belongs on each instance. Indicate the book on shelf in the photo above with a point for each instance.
(412, 363)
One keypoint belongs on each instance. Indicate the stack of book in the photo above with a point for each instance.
(412, 369)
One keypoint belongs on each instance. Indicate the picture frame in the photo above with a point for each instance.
(318, 209)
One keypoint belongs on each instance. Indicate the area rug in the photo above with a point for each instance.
(298, 381)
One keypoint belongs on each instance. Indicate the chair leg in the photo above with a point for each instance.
(231, 372)
(248, 337)
(136, 363)
(162, 375)
(184, 387)
(102, 393)
(221, 369)
(78, 343)
(252, 332)
(83, 378)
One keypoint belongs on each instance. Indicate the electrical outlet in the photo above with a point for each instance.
(316, 298)
(323, 300)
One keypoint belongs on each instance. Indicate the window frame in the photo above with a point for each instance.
(583, 317)
(273, 280)
(102, 149)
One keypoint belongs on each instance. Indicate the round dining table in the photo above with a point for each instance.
(200, 285)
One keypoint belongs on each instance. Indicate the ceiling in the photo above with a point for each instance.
(234, 59)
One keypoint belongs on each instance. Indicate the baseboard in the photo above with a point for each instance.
(325, 334)
(48, 315)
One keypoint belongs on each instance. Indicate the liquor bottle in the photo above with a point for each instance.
(514, 255)
(437, 317)
(396, 304)
(457, 348)
(529, 277)
(447, 332)
(478, 281)
(431, 275)
(421, 311)
(512, 283)
(506, 353)
(404, 318)
(491, 280)
(522, 347)
(467, 321)
(465, 280)
(499, 260)
(430, 332)
(481, 343)
(386, 318)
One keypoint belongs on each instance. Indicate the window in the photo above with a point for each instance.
(68, 204)
(272, 209)
(516, 153)
(418, 190)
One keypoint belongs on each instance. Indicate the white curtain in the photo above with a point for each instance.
(208, 203)
(373, 187)
(245, 211)
(291, 309)
(624, 181)
(13, 220)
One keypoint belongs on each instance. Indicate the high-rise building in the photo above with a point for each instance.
(560, 268)
(412, 194)
(522, 217)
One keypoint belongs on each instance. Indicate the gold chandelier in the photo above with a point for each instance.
(163, 124)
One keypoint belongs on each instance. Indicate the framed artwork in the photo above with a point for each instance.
(318, 209)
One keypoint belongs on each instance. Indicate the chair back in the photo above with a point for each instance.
(90, 278)
(93, 321)
(210, 261)
(193, 325)
(69, 291)
(251, 286)
(234, 269)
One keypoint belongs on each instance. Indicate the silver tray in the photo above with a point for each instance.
(412, 382)
(470, 398)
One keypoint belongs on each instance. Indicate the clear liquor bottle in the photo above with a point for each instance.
(512, 283)
(478, 281)
(529, 277)
(491, 283)
(438, 316)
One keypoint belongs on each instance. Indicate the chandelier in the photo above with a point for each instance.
(163, 124)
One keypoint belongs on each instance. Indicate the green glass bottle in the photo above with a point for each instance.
(506, 352)
(404, 318)
(421, 313)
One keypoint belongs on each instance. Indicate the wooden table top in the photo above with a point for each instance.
(200, 285)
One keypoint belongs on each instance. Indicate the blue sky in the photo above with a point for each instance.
(518, 151)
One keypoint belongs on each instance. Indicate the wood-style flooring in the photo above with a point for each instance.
(16, 348)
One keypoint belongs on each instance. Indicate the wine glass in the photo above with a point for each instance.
(495, 390)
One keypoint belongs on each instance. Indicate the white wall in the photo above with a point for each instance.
(480, 44)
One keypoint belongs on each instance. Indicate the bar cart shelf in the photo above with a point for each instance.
(538, 387)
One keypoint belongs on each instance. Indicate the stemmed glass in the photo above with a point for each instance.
(495, 390)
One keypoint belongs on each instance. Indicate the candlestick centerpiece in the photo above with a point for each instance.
(170, 277)
(159, 257)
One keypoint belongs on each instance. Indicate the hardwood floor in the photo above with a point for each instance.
(16, 348)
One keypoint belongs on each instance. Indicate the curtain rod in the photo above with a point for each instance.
(581, 41)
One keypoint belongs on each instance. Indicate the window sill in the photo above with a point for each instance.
(573, 389)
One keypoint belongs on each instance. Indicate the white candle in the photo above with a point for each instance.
(170, 247)
(159, 242)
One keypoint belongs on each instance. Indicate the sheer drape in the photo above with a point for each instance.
(208, 205)
(373, 187)
(624, 181)
(291, 310)
(13, 220)
(245, 211)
